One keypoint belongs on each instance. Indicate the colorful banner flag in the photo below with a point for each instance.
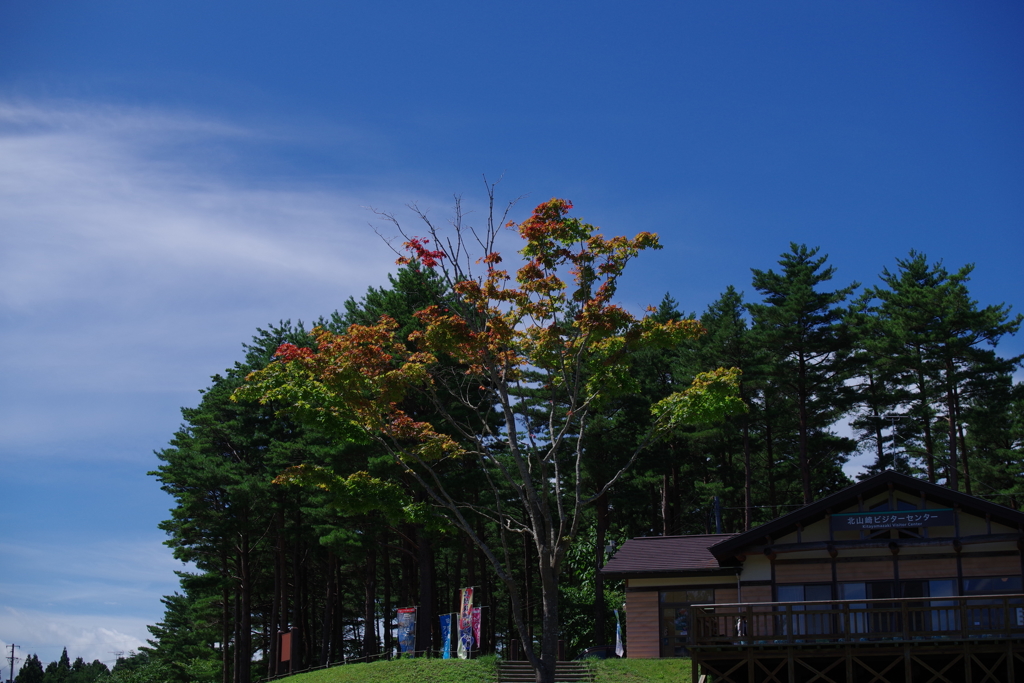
(446, 636)
(466, 623)
(476, 626)
(407, 631)
(619, 650)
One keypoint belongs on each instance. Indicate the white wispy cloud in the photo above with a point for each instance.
(87, 636)
(132, 261)
(88, 210)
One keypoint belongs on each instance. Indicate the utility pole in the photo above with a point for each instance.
(892, 417)
(12, 659)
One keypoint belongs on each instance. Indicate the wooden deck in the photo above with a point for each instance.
(977, 639)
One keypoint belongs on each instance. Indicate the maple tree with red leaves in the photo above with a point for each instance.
(529, 357)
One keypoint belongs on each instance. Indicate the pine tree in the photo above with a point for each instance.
(799, 326)
(939, 350)
(59, 671)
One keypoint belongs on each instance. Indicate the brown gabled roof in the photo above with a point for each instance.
(653, 556)
(729, 547)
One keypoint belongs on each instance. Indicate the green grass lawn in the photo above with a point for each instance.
(484, 670)
(643, 671)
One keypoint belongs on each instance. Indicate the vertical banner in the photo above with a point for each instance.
(476, 626)
(446, 636)
(466, 623)
(407, 631)
(619, 651)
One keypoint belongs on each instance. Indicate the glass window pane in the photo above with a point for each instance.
(852, 591)
(915, 589)
(821, 592)
(881, 590)
(992, 584)
(791, 593)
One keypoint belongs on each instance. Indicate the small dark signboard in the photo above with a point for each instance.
(896, 519)
(286, 646)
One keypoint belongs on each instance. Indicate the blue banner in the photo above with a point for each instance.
(407, 631)
(446, 636)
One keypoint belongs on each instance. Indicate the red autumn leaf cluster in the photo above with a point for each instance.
(417, 246)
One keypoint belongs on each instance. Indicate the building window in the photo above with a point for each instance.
(802, 618)
(675, 618)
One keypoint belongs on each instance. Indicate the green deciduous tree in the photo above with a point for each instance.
(508, 337)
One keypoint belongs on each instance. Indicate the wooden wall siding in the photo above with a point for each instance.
(803, 573)
(991, 566)
(643, 623)
(911, 568)
(866, 571)
(757, 594)
(759, 627)
(726, 595)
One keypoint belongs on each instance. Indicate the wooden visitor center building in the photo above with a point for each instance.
(891, 579)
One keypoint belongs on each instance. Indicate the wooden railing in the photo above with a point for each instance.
(857, 621)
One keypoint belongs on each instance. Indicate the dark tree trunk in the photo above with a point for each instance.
(747, 479)
(237, 650)
(929, 444)
(327, 626)
(488, 615)
(243, 644)
(549, 635)
(953, 475)
(338, 637)
(275, 613)
(962, 441)
(770, 465)
(370, 603)
(296, 663)
(664, 505)
(225, 616)
(425, 613)
(802, 397)
(386, 557)
(600, 608)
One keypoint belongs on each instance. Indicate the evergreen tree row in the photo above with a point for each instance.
(911, 364)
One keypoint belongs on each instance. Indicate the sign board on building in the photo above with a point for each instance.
(895, 519)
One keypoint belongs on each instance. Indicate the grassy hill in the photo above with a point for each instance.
(484, 670)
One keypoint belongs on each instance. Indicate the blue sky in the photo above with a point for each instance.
(175, 174)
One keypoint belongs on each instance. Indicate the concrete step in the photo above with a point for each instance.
(565, 672)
